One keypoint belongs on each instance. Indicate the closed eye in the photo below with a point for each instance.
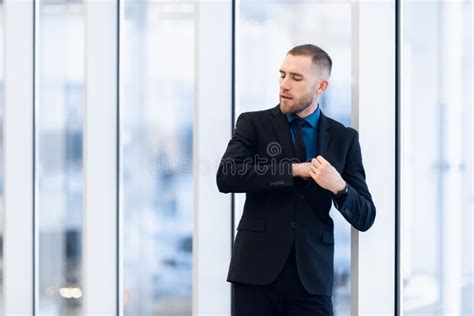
(294, 76)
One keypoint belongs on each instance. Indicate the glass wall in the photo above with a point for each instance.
(59, 157)
(266, 30)
(157, 91)
(437, 196)
(157, 83)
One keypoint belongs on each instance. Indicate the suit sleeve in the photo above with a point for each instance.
(242, 170)
(357, 207)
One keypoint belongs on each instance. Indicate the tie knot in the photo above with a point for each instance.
(299, 122)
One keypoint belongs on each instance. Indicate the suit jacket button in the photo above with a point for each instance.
(293, 225)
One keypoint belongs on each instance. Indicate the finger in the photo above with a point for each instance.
(318, 173)
(313, 176)
(321, 159)
(315, 162)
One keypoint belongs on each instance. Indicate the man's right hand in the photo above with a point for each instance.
(301, 170)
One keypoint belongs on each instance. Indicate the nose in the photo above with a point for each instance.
(284, 84)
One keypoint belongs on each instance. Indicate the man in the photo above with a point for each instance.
(292, 161)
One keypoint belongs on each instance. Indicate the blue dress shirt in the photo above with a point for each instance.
(309, 132)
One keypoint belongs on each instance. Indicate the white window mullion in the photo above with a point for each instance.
(18, 149)
(212, 131)
(100, 160)
(373, 115)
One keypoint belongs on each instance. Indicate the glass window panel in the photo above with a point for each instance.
(157, 66)
(266, 31)
(436, 158)
(59, 163)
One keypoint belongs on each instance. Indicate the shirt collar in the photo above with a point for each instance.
(311, 119)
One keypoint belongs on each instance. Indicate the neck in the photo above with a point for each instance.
(310, 109)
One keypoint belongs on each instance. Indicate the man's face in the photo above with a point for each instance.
(298, 83)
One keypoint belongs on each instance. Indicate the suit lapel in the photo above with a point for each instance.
(282, 130)
(324, 135)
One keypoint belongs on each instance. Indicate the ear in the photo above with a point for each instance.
(323, 85)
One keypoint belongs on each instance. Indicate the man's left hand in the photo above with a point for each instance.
(324, 174)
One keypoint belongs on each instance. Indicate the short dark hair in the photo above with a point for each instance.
(318, 56)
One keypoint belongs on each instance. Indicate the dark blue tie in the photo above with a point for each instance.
(300, 149)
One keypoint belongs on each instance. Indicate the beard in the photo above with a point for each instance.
(296, 105)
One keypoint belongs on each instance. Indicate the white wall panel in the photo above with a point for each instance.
(373, 115)
(212, 209)
(18, 163)
(100, 159)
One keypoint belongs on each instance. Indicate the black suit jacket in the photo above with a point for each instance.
(276, 214)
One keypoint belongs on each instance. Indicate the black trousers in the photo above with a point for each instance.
(286, 296)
